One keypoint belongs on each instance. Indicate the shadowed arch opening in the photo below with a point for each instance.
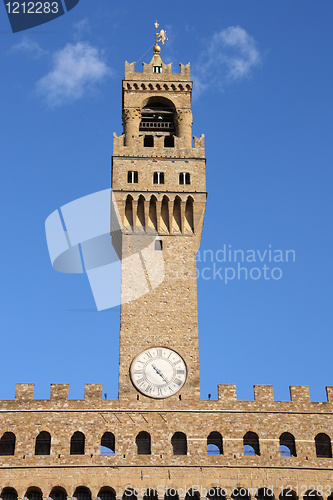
(152, 219)
(323, 446)
(82, 493)
(240, 494)
(179, 443)
(214, 444)
(216, 493)
(165, 214)
(43, 443)
(288, 494)
(58, 493)
(141, 211)
(108, 444)
(192, 495)
(143, 443)
(33, 493)
(148, 141)
(130, 494)
(7, 443)
(287, 445)
(171, 494)
(169, 141)
(265, 494)
(77, 443)
(9, 494)
(251, 444)
(150, 494)
(106, 493)
(129, 211)
(177, 219)
(189, 214)
(158, 116)
(312, 495)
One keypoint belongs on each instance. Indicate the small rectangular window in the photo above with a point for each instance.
(158, 245)
(157, 69)
(158, 178)
(132, 177)
(184, 178)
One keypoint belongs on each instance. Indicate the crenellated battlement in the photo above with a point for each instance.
(227, 393)
(180, 148)
(147, 72)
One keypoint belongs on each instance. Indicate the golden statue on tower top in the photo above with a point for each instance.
(161, 36)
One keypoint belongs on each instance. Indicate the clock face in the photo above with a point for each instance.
(158, 372)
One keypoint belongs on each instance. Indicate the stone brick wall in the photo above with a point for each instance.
(93, 416)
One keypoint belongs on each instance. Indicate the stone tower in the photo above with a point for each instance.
(159, 440)
(158, 183)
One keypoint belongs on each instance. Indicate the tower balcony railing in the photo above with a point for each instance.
(156, 125)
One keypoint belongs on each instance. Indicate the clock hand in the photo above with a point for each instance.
(159, 373)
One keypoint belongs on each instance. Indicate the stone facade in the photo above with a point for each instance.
(179, 444)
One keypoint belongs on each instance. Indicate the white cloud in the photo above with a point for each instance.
(229, 56)
(30, 47)
(81, 28)
(76, 69)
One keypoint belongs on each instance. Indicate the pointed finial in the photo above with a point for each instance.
(160, 37)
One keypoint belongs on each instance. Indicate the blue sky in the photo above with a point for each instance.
(263, 78)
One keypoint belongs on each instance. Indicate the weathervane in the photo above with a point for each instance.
(161, 36)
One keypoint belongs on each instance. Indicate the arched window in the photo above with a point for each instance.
(143, 443)
(108, 444)
(214, 444)
(7, 444)
(58, 493)
(177, 222)
(77, 443)
(216, 493)
(179, 443)
(8, 494)
(240, 494)
(157, 117)
(34, 493)
(251, 444)
(171, 494)
(323, 446)
(287, 445)
(106, 493)
(265, 494)
(82, 493)
(129, 211)
(43, 443)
